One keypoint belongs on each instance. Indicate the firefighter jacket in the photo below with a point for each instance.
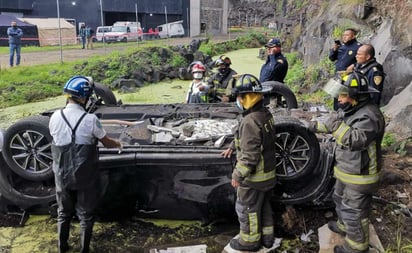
(254, 142)
(274, 69)
(374, 72)
(219, 83)
(345, 55)
(358, 151)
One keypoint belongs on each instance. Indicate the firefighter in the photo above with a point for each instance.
(219, 81)
(254, 174)
(358, 128)
(75, 133)
(198, 91)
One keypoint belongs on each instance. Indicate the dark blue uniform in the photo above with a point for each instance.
(374, 72)
(274, 69)
(345, 55)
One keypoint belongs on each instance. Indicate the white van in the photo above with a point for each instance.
(124, 31)
(170, 30)
(102, 30)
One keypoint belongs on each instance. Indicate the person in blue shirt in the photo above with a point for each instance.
(15, 34)
(276, 65)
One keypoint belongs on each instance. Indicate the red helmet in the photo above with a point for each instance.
(198, 67)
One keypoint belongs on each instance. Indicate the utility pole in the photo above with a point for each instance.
(60, 31)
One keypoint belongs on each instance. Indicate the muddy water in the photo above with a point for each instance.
(244, 61)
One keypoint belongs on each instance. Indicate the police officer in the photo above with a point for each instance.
(219, 81)
(75, 133)
(343, 53)
(366, 64)
(254, 175)
(276, 65)
(358, 128)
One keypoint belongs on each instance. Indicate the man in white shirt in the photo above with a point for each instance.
(75, 158)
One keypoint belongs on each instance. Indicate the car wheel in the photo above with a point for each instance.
(27, 148)
(281, 95)
(25, 193)
(105, 93)
(297, 149)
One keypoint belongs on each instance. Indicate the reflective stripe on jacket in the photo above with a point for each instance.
(255, 149)
(358, 151)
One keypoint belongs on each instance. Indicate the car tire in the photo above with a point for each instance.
(280, 90)
(27, 148)
(105, 93)
(297, 149)
(17, 190)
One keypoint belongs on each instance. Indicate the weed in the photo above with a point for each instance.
(388, 140)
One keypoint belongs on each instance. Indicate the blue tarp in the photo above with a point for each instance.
(30, 33)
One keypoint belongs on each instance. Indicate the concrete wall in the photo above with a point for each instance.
(214, 13)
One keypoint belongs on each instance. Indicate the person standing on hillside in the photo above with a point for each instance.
(15, 33)
(358, 128)
(82, 34)
(366, 64)
(254, 173)
(344, 54)
(75, 157)
(89, 37)
(276, 65)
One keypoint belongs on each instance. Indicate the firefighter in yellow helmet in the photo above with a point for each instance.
(358, 128)
(254, 175)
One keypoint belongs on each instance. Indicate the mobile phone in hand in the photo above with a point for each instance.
(337, 42)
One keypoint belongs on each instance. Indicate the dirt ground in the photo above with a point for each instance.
(391, 213)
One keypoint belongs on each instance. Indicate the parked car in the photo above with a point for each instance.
(101, 31)
(170, 163)
(171, 30)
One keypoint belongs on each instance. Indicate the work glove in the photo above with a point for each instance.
(334, 120)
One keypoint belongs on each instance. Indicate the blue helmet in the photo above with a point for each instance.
(78, 87)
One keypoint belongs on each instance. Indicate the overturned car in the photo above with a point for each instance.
(170, 165)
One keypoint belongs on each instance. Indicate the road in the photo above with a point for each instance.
(67, 55)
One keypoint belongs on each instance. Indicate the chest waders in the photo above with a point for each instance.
(77, 187)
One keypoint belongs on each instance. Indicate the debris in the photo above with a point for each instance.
(306, 237)
(186, 249)
(162, 137)
(157, 129)
(219, 143)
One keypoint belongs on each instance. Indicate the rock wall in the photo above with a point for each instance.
(309, 26)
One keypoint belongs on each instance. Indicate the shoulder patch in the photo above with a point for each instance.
(377, 80)
(280, 61)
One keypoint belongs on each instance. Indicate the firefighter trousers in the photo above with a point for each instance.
(353, 206)
(254, 212)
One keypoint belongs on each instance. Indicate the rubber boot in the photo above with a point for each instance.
(235, 244)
